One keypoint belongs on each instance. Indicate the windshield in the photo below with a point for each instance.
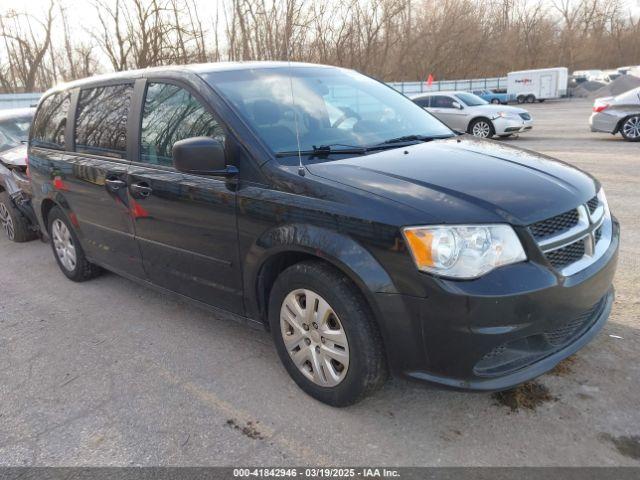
(471, 100)
(13, 131)
(330, 107)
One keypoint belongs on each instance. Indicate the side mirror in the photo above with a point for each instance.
(457, 105)
(201, 155)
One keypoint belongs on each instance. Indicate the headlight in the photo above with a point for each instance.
(463, 251)
(505, 115)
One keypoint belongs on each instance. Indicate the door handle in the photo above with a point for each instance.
(114, 184)
(141, 189)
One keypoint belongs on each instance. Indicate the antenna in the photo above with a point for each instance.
(301, 170)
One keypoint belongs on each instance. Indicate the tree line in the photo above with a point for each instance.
(389, 39)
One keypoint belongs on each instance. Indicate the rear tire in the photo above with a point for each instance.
(630, 128)
(15, 225)
(531, 98)
(521, 99)
(482, 128)
(347, 364)
(495, 101)
(67, 249)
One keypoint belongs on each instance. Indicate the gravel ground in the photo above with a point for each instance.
(110, 373)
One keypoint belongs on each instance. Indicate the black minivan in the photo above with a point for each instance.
(327, 207)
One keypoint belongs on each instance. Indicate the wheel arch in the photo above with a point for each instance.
(286, 245)
(475, 119)
(622, 120)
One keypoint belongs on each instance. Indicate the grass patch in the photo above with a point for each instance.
(529, 395)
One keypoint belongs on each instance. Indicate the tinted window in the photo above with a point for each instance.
(101, 120)
(440, 101)
(51, 121)
(422, 102)
(170, 114)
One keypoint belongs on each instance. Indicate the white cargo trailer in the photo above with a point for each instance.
(541, 84)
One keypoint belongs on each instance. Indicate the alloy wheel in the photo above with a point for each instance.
(481, 129)
(631, 128)
(63, 243)
(314, 337)
(7, 222)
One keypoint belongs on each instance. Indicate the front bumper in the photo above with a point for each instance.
(500, 330)
(510, 125)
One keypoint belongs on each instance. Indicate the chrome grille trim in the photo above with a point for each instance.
(595, 245)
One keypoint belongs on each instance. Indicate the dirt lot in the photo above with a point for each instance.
(110, 373)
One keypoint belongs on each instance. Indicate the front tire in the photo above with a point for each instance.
(325, 334)
(630, 128)
(521, 99)
(482, 128)
(14, 224)
(67, 249)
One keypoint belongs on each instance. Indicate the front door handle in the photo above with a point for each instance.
(141, 189)
(114, 184)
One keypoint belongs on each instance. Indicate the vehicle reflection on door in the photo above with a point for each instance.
(185, 226)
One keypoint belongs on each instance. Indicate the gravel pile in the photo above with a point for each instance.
(585, 89)
(618, 86)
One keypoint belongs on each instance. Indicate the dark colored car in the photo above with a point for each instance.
(17, 219)
(329, 208)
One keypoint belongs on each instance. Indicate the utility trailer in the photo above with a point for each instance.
(538, 85)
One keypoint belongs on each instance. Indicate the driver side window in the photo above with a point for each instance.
(170, 114)
(442, 101)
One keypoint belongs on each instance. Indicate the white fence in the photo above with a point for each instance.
(21, 100)
(18, 100)
(447, 85)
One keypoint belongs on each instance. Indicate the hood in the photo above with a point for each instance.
(466, 180)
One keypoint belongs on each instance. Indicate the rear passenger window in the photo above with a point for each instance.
(422, 102)
(170, 114)
(51, 122)
(101, 120)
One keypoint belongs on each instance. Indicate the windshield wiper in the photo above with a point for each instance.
(324, 150)
(410, 139)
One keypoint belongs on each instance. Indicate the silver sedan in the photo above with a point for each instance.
(469, 113)
(618, 114)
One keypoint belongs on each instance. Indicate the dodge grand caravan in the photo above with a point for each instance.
(319, 203)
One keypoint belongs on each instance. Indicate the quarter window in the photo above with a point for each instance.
(170, 114)
(51, 122)
(101, 120)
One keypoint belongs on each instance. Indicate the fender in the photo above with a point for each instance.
(340, 250)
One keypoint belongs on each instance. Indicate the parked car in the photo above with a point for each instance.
(493, 97)
(611, 75)
(469, 113)
(618, 114)
(361, 231)
(590, 75)
(16, 215)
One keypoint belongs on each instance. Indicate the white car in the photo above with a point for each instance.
(464, 111)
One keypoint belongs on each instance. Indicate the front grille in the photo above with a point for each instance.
(496, 352)
(554, 225)
(593, 204)
(525, 116)
(566, 255)
(564, 334)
